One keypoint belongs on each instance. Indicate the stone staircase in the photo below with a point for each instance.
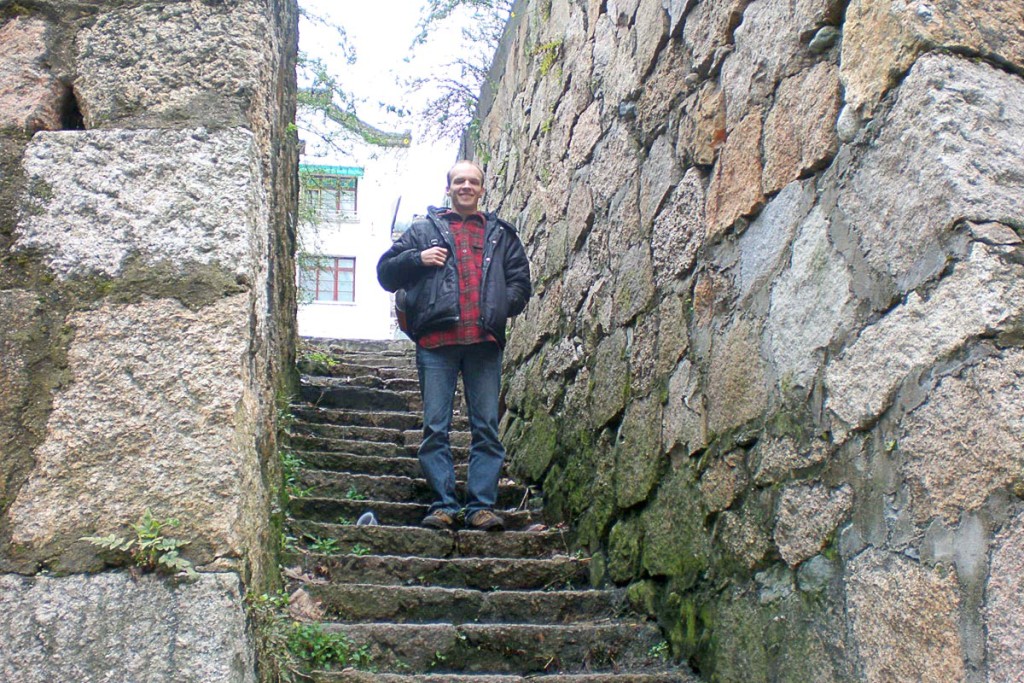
(429, 605)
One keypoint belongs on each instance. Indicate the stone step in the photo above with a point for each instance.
(388, 512)
(299, 442)
(431, 604)
(388, 351)
(351, 432)
(354, 676)
(326, 484)
(373, 381)
(349, 368)
(357, 346)
(483, 573)
(407, 437)
(361, 398)
(370, 464)
(399, 540)
(365, 418)
(506, 648)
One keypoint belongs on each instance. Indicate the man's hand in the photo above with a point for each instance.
(435, 256)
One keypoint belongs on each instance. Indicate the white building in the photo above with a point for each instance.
(347, 215)
(350, 203)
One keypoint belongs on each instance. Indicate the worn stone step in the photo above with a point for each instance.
(325, 484)
(407, 437)
(354, 676)
(300, 442)
(365, 418)
(408, 420)
(347, 367)
(432, 604)
(483, 573)
(356, 346)
(373, 381)
(408, 540)
(362, 398)
(370, 464)
(506, 648)
(351, 432)
(388, 512)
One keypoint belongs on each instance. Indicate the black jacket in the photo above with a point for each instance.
(432, 293)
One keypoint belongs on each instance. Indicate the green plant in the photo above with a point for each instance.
(345, 521)
(320, 358)
(288, 648)
(359, 549)
(324, 649)
(437, 660)
(149, 550)
(327, 546)
(354, 494)
(290, 466)
(659, 650)
(282, 402)
(549, 53)
(288, 542)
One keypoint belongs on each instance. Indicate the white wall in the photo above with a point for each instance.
(369, 316)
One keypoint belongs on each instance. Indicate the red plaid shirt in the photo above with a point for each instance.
(469, 261)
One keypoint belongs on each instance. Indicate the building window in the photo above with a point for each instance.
(331, 197)
(328, 278)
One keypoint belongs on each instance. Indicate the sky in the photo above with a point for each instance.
(382, 32)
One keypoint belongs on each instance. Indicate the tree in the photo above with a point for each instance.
(453, 102)
(324, 95)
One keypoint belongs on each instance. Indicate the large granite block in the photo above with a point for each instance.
(116, 627)
(156, 413)
(186, 204)
(158, 65)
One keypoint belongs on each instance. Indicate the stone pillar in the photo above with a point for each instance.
(147, 305)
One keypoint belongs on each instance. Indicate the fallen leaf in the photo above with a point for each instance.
(302, 607)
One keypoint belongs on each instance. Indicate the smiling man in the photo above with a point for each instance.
(465, 274)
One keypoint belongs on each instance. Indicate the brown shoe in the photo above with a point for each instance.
(439, 519)
(485, 520)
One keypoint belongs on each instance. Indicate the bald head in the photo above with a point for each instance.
(464, 165)
(465, 187)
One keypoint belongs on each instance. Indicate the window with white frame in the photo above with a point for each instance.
(331, 197)
(328, 279)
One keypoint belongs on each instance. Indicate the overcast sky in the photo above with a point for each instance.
(381, 32)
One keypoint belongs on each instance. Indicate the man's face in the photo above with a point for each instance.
(465, 188)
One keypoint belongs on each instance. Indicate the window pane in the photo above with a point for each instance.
(307, 283)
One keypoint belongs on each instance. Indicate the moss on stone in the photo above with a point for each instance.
(581, 489)
(778, 641)
(676, 542)
(625, 542)
(643, 597)
(639, 460)
(534, 447)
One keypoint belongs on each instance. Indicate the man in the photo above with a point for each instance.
(465, 273)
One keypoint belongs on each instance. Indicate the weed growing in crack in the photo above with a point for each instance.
(354, 494)
(326, 546)
(326, 649)
(290, 466)
(289, 649)
(659, 650)
(150, 550)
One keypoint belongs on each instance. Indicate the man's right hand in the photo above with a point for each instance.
(434, 256)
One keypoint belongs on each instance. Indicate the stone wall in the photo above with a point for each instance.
(147, 231)
(773, 369)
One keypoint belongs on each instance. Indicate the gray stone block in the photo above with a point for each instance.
(116, 627)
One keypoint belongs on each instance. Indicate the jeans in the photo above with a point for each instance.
(439, 369)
